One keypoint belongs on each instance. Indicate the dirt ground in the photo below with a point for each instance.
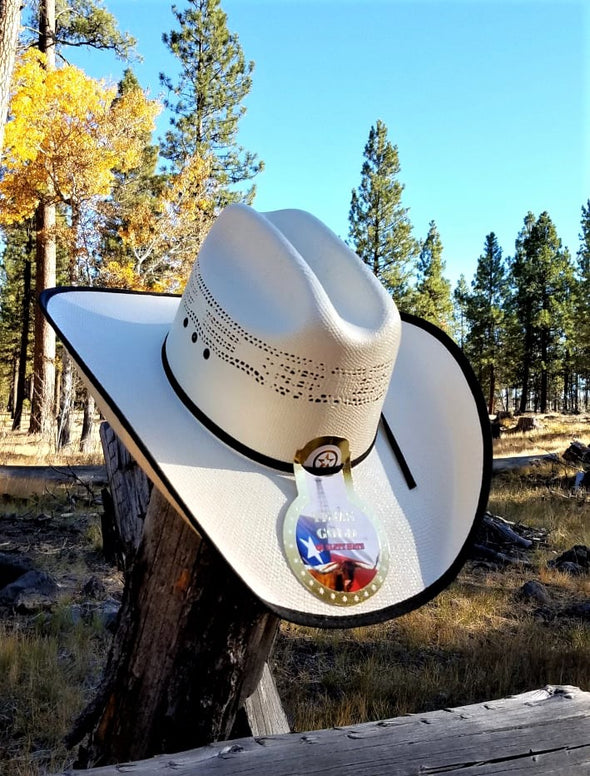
(59, 532)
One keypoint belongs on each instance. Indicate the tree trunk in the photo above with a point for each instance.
(10, 404)
(87, 423)
(44, 350)
(527, 359)
(9, 27)
(66, 402)
(24, 346)
(47, 31)
(42, 408)
(190, 647)
(130, 491)
(544, 391)
(492, 393)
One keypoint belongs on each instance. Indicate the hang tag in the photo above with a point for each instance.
(334, 546)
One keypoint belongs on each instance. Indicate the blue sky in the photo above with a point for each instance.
(486, 101)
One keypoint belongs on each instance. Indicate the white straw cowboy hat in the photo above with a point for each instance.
(337, 455)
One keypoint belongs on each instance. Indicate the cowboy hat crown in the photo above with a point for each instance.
(282, 335)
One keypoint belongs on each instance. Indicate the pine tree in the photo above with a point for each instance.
(582, 316)
(432, 295)
(135, 189)
(15, 313)
(542, 279)
(154, 222)
(207, 100)
(77, 24)
(522, 333)
(87, 23)
(379, 228)
(485, 311)
(460, 301)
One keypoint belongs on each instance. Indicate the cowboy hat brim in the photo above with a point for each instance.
(434, 408)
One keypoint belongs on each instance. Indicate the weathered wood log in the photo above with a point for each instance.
(190, 647)
(130, 492)
(578, 452)
(36, 479)
(540, 732)
(515, 462)
(504, 532)
(124, 515)
(503, 542)
(264, 709)
(483, 552)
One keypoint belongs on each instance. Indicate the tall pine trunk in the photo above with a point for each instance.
(42, 407)
(492, 393)
(67, 394)
(524, 395)
(544, 389)
(24, 345)
(13, 381)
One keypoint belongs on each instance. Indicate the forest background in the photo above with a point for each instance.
(89, 196)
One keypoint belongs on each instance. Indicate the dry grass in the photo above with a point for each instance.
(554, 434)
(19, 448)
(476, 641)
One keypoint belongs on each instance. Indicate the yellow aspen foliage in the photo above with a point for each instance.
(67, 136)
(164, 235)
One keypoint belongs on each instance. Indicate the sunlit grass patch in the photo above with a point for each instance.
(554, 435)
(448, 653)
(19, 448)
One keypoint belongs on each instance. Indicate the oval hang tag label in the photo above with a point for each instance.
(334, 546)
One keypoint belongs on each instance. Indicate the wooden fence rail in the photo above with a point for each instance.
(540, 732)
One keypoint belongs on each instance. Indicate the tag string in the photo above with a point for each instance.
(396, 449)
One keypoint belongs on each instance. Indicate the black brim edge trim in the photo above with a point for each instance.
(228, 439)
(315, 620)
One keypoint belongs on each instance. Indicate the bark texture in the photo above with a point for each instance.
(9, 27)
(189, 649)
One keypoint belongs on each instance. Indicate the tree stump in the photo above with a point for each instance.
(126, 505)
(526, 423)
(190, 647)
(192, 641)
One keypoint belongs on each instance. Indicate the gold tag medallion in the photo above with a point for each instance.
(334, 547)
